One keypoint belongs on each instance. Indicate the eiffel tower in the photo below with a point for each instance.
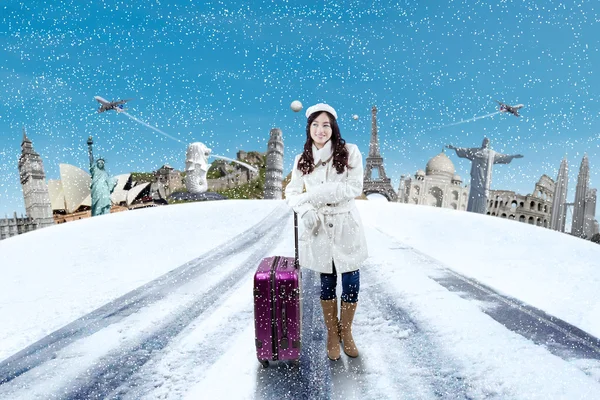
(382, 184)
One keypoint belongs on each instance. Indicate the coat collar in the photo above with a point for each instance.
(322, 155)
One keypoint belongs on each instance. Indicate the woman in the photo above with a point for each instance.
(331, 172)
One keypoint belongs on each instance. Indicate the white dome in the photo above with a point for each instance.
(440, 165)
(420, 172)
(376, 197)
(457, 178)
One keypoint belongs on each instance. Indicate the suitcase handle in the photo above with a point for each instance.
(296, 261)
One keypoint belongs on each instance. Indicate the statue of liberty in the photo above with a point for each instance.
(102, 184)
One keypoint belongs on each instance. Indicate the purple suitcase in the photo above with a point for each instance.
(277, 311)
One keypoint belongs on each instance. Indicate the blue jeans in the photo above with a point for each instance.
(350, 286)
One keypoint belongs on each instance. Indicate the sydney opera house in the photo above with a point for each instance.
(71, 199)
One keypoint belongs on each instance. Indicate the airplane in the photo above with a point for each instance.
(110, 105)
(511, 109)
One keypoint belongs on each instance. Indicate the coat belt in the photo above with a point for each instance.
(336, 208)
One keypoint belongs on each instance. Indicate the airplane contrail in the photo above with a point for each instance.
(250, 167)
(151, 127)
(469, 120)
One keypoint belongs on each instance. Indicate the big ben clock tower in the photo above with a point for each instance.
(33, 182)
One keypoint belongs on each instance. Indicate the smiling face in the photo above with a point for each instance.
(320, 130)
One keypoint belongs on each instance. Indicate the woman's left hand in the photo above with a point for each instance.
(310, 219)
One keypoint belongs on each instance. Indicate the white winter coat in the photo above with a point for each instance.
(339, 235)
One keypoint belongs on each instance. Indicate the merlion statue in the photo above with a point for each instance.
(196, 167)
(482, 159)
(102, 184)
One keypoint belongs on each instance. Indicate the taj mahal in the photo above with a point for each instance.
(437, 186)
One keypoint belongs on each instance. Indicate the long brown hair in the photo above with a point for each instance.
(306, 164)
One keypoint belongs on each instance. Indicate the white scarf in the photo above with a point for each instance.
(322, 155)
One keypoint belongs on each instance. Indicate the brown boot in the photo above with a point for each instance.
(331, 322)
(346, 318)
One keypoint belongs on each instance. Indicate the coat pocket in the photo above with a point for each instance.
(351, 235)
(305, 247)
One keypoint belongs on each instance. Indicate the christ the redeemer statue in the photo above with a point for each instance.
(482, 159)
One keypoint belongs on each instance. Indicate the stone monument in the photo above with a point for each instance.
(102, 184)
(482, 160)
(35, 188)
(274, 170)
(196, 167)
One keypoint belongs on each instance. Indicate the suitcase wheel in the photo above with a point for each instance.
(264, 363)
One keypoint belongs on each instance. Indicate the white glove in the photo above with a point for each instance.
(297, 200)
(310, 219)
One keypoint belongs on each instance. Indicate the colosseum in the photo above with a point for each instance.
(533, 208)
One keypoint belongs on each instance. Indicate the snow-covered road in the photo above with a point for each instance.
(190, 334)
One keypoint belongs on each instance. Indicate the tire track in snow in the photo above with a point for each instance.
(171, 375)
(45, 349)
(428, 373)
(188, 358)
(282, 380)
(119, 309)
(399, 358)
(113, 371)
(554, 334)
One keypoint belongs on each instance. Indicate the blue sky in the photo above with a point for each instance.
(224, 73)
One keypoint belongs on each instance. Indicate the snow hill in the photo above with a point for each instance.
(57, 275)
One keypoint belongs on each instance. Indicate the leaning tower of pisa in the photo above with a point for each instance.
(274, 172)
